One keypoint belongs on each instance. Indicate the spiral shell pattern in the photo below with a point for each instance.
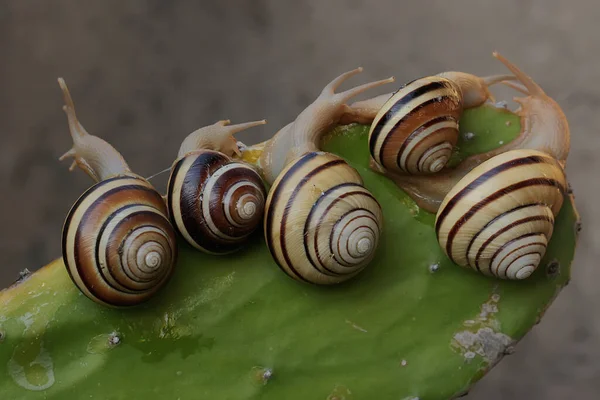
(417, 128)
(118, 244)
(499, 218)
(215, 203)
(321, 225)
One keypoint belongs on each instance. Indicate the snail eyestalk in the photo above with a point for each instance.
(93, 155)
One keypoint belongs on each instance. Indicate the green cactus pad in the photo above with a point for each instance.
(412, 325)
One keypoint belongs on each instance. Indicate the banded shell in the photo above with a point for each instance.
(499, 218)
(417, 128)
(321, 225)
(117, 242)
(215, 203)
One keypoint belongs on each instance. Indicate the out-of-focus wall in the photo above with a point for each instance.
(143, 74)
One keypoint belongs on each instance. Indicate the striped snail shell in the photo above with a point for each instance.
(321, 225)
(214, 202)
(499, 218)
(118, 244)
(417, 128)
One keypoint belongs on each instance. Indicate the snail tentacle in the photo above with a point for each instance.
(92, 154)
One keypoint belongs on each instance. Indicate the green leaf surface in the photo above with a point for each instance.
(412, 325)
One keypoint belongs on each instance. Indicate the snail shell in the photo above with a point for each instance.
(321, 225)
(118, 244)
(417, 128)
(499, 218)
(215, 203)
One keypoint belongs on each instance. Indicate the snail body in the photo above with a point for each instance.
(118, 245)
(214, 201)
(499, 218)
(321, 225)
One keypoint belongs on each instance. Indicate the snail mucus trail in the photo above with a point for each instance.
(321, 224)
(118, 245)
(214, 201)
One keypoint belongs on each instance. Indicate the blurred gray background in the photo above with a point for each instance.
(143, 74)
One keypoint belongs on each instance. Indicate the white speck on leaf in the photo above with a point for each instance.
(434, 267)
(114, 339)
(469, 135)
(358, 328)
(268, 374)
(403, 363)
(27, 319)
(261, 375)
(501, 142)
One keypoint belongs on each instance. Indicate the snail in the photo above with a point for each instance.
(544, 127)
(499, 217)
(416, 129)
(214, 201)
(118, 245)
(321, 224)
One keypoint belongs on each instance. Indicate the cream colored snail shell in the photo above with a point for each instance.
(417, 128)
(499, 218)
(215, 203)
(118, 244)
(321, 225)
